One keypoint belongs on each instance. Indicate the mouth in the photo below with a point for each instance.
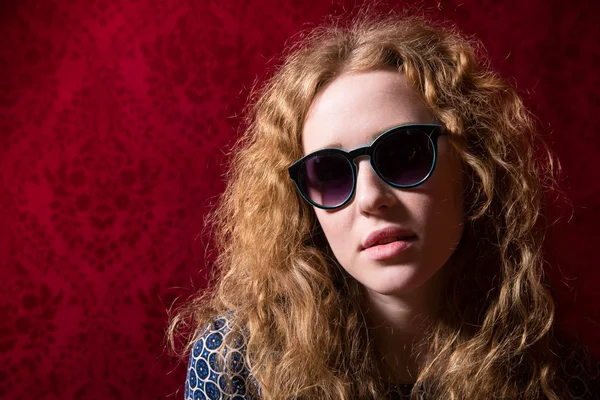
(387, 235)
(389, 247)
(392, 239)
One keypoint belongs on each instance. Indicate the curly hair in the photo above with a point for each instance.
(306, 335)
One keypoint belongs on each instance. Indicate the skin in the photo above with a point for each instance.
(403, 291)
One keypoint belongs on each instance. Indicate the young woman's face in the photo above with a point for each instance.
(352, 111)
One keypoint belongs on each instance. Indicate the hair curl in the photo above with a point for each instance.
(306, 335)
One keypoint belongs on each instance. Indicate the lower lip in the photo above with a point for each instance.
(388, 250)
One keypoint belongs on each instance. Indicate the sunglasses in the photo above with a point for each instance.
(403, 157)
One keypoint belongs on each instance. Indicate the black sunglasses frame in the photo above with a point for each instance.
(433, 131)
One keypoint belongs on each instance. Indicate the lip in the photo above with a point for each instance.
(389, 250)
(390, 231)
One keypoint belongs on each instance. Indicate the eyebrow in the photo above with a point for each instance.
(338, 145)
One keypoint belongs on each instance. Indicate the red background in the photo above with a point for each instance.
(114, 120)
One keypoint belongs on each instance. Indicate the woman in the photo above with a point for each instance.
(381, 232)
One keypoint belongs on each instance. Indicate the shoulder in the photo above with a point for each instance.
(216, 371)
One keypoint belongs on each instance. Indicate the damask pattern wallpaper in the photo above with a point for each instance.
(115, 120)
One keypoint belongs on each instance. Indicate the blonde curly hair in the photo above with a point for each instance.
(298, 310)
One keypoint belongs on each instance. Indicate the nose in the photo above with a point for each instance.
(372, 194)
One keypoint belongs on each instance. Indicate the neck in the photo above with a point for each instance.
(398, 324)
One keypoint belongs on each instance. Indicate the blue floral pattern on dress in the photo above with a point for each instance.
(205, 377)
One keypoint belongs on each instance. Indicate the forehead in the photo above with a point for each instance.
(355, 108)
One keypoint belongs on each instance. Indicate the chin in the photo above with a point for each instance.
(391, 288)
(400, 284)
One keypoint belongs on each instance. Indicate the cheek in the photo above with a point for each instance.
(449, 182)
(440, 206)
(335, 227)
(445, 213)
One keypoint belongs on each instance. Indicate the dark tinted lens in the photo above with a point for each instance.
(326, 179)
(405, 157)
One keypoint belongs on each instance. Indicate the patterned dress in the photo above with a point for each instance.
(205, 377)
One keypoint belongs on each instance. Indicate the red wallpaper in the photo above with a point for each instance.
(114, 120)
